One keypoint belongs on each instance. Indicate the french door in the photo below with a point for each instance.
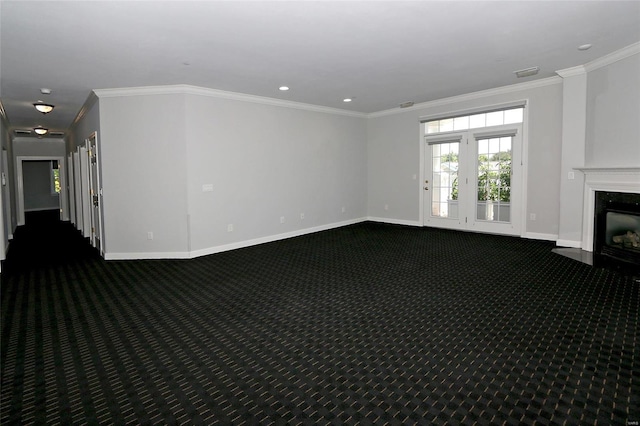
(473, 180)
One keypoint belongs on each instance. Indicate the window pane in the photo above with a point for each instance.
(461, 123)
(495, 118)
(513, 115)
(446, 125)
(433, 127)
(476, 121)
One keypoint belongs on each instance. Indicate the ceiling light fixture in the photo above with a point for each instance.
(527, 72)
(283, 88)
(40, 130)
(406, 104)
(348, 99)
(44, 108)
(45, 91)
(584, 47)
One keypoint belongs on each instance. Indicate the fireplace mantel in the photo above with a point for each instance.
(612, 179)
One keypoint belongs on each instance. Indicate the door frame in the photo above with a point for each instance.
(524, 154)
(20, 184)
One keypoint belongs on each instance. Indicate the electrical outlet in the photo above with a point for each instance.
(532, 216)
(343, 209)
(149, 235)
(571, 176)
(281, 219)
(301, 216)
(230, 227)
(386, 206)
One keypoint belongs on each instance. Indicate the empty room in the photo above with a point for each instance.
(320, 212)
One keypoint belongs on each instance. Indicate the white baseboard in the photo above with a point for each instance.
(538, 236)
(394, 221)
(226, 247)
(146, 256)
(569, 243)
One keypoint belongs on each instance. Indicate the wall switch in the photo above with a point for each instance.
(571, 176)
(532, 216)
(281, 219)
(230, 227)
(208, 187)
(386, 206)
(149, 235)
(343, 209)
(415, 177)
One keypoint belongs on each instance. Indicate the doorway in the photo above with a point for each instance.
(41, 185)
(473, 178)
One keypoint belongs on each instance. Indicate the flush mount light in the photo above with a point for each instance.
(45, 91)
(347, 99)
(527, 72)
(44, 108)
(283, 88)
(584, 47)
(40, 130)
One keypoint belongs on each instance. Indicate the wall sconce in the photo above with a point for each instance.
(40, 130)
(44, 108)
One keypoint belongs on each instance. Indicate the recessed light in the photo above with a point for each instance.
(283, 88)
(584, 47)
(347, 99)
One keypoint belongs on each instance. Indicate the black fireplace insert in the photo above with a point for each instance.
(617, 230)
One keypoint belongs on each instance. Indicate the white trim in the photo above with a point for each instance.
(618, 55)
(88, 104)
(572, 72)
(539, 236)
(568, 243)
(185, 89)
(394, 221)
(474, 95)
(231, 246)
(626, 179)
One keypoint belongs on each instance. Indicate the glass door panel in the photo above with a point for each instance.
(444, 178)
(494, 171)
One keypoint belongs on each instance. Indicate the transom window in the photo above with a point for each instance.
(475, 121)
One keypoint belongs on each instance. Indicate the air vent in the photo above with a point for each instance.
(527, 72)
(22, 132)
(56, 133)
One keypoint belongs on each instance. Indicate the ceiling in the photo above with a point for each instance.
(381, 53)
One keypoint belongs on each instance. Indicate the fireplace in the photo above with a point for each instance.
(616, 240)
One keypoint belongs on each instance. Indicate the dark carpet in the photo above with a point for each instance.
(365, 324)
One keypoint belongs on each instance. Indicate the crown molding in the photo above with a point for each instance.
(186, 89)
(474, 95)
(618, 55)
(572, 72)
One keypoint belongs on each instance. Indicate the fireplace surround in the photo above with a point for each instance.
(611, 209)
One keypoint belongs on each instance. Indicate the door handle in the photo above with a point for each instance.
(426, 189)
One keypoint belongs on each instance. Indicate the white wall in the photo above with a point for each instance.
(266, 162)
(613, 115)
(394, 153)
(144, 177)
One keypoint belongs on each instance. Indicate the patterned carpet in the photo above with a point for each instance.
(366, 324)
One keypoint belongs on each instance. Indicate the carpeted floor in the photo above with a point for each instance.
(366, 324)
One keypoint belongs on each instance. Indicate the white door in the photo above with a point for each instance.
(441, 187)
(94, 185)
(77, 190)
(71, 189)
(473, 180)
(85, 191)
